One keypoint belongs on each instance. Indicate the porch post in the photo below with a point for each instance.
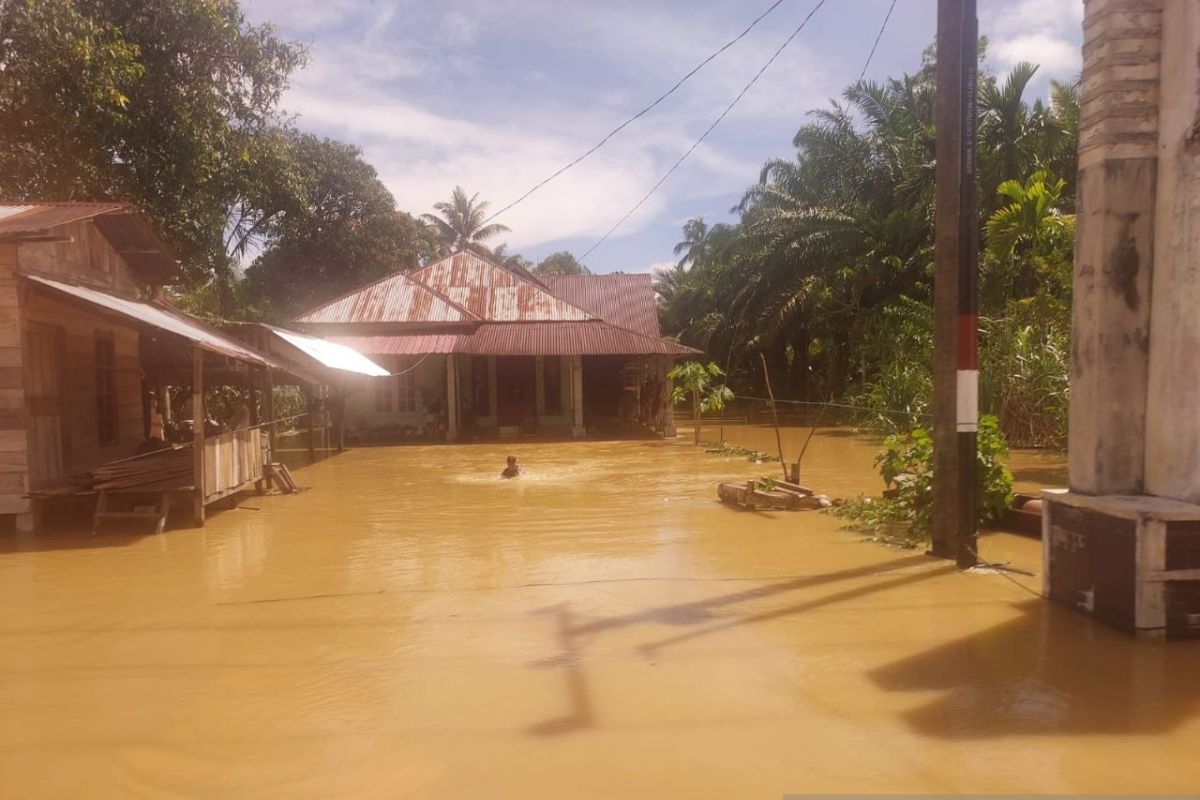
(668, 414)
(539, 385)
(312, 425)
(577, 396)
(269, 409)
(198, 434)
(451, 398)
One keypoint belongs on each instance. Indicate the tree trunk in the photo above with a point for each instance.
(696, 418)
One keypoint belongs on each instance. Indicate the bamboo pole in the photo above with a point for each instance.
(774, 416)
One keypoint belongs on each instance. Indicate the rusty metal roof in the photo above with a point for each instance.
(626, 301)
(395, 298)
(405, 344)
(493, 293)
(587, 338)
(127, 231)
(164, 319)
(36, 219)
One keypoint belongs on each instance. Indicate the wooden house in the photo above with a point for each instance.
(478, 349)
(88, 346)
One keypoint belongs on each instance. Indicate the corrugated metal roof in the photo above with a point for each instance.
(493, 293)
(406, 344)
(330, 354)
(168, 320)
(38, 218)
(626, 301)
(127, 231)
(392, 299)
(589, 338)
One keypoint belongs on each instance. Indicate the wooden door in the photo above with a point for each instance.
(516, 390)
(43, 397)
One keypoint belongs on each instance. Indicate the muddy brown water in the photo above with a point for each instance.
(412, 626)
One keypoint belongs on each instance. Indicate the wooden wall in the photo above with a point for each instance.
(79, 425)
(12, 394)
(87, 258)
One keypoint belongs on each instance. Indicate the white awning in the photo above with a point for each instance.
(331, 354)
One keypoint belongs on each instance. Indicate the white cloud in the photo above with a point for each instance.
(1055, 56)
(1044, 32)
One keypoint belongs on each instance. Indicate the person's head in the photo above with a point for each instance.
(512, 461)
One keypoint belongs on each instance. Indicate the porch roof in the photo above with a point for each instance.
(329, 354)
(161, 318)
(588, 338)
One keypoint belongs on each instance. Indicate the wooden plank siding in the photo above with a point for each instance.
(82, 255)
(13, 446)
(87, 258)
(79, 329)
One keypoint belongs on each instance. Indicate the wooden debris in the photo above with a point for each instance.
(783, 496)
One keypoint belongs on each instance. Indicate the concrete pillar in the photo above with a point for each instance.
(577, 396)
(1119, 545)
(539, 367)
(451, 398)
(1173, 396)
(1114, 252)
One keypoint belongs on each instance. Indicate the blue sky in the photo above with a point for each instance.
(494, 95)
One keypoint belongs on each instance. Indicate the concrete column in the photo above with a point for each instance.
(539, 367)
(451, 398)
(1114, 252)
(1173, 396)
(577, 396)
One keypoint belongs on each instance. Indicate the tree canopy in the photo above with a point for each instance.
(560, 263)
(167, 104)
(828, 268)
(459, 223)
(342, 232)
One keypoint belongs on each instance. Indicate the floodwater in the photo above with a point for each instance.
(412, 626)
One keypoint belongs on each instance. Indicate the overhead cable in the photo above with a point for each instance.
(878, 36)
(639, 114)
(708, 130)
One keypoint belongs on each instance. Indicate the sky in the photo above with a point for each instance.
(495, 95)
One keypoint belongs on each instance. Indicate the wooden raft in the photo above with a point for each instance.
(784, 496)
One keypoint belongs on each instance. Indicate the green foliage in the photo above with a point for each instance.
(163, 103)
(906, 465)
(828, 269)
(698, 382)
(344, 231)
(459, 223)
(560, 263)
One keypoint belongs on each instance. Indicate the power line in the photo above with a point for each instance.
(882, 28)
(641, 113)
(709, 130)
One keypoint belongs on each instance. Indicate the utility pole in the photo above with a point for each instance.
(956, 362)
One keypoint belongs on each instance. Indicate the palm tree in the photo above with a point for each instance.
(460, 223)
(695, 234)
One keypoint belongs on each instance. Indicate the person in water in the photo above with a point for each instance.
(513, 470)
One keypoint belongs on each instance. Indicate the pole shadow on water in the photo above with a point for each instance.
(571, 635)
(1051, 671)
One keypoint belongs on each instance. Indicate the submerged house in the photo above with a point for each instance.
(476, 349)
(89, 351)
